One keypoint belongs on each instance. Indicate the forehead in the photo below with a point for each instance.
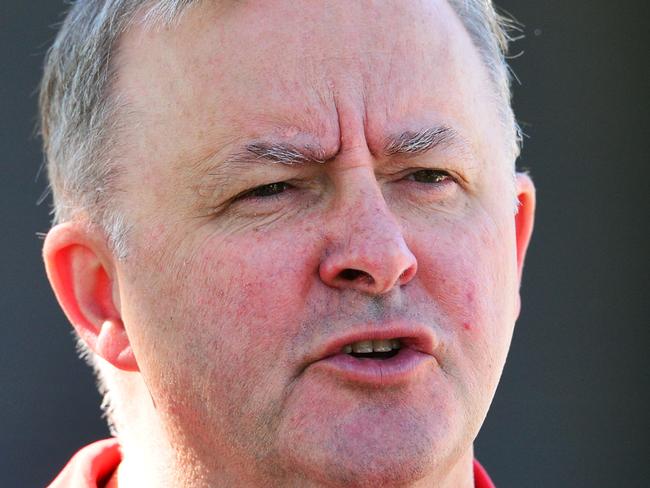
(300, 69)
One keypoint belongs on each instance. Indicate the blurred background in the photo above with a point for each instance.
(572, 408)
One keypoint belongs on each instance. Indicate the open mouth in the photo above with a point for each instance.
(378, 349)
(379, 357)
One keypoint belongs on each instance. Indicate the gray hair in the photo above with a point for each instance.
(79, 122)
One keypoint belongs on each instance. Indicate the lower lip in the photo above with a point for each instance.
(399, 369)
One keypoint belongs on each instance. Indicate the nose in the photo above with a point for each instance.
(367, 251)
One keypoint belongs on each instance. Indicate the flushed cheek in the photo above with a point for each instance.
(217, 303)
(466, 273)
(465, 266)
(263, 277)
(249, 307)
(239, 304)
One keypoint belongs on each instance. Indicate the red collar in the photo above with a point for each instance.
(91, 467)
(481, 478)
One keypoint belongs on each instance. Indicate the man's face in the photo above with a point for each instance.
(247, 275)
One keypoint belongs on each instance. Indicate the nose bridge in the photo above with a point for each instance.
(367, 247)
(370, 222)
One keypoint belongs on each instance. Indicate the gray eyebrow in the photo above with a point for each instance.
(410, 142)
(282, 153)
(418, 142)
(221, 171)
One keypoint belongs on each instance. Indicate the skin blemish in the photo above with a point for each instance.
(467, 326)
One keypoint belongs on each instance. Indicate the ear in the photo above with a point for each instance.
(79, 267)
(524, 217)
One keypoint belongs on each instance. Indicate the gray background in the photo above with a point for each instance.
(571, 410)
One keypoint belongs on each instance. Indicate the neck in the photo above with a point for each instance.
(154, 470)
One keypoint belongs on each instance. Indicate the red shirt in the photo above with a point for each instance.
(94, 465)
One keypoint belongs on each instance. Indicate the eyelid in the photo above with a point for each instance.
(433, 170)
(412, 171)
(431, 178)
(457, 176)
(249, 193)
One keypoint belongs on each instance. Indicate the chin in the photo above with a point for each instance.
(399, 456)
(366, 468)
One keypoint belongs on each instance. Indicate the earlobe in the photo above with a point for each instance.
(525, 217)
(113, 345)
(78, 267)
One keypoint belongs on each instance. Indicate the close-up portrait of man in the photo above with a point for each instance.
(289, 236)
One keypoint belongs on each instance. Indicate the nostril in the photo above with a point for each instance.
(350, 274)
(406, 276)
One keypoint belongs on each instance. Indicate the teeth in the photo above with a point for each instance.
(384, 345)
(362, 346)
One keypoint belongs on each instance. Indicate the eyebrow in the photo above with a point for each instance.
(418, 142)
(405, 143)
(277, 152)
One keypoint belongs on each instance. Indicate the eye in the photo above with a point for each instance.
(430, 176)
(263, 191)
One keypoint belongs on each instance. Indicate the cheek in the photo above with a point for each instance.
(245, 297)
(217, 302)
(468, 272)
(258, 277)
(460, 276)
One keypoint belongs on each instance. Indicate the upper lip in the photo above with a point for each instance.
(415, 336)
